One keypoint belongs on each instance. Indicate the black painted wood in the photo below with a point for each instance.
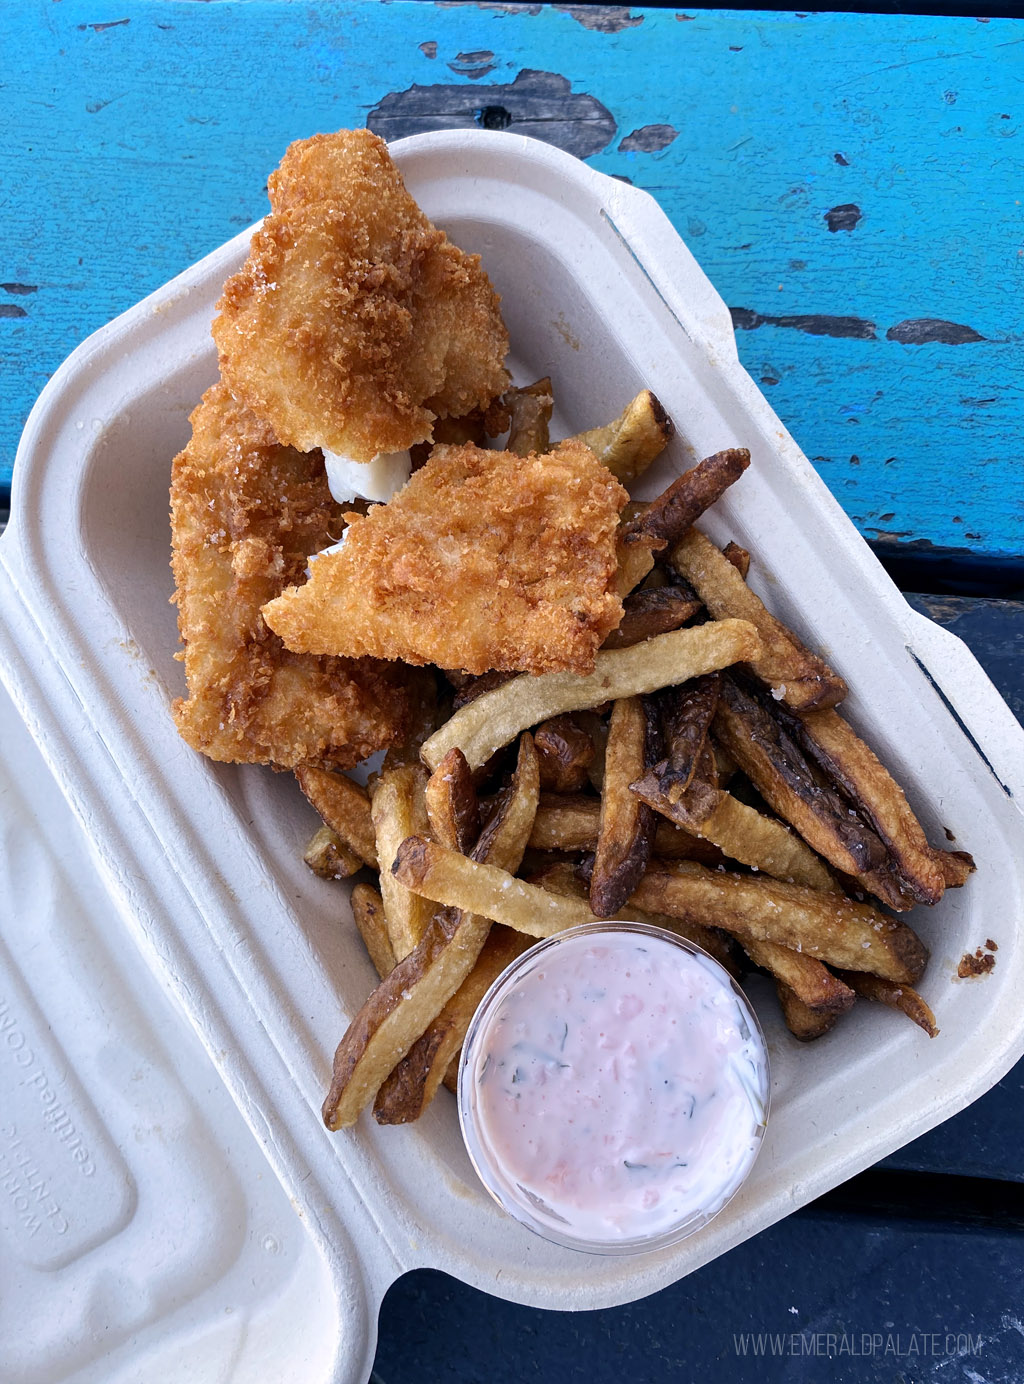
(825, 1295)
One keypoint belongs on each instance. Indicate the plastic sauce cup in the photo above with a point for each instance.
(614, 1088)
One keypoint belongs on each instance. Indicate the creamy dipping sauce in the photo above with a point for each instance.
(614, 1087)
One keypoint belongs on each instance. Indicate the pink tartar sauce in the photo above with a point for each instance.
(617, 1085)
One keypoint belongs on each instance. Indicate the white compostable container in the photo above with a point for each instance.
(173, 980)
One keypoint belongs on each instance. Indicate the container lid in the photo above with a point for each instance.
(142, 1233)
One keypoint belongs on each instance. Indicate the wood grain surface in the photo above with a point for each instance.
(851, 184)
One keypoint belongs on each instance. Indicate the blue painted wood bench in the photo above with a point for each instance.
(852, 184)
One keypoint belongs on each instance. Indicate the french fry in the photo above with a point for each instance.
(802, 679)
(368, 912)
(902, 997)
(530, 413)
(635, 560)
(779, 771)
(627, 824)
(411, 996)
(416, 1079)
(651, 611)
(469, 427)
(725, 764)
(451, 803)
(452, 879)
(474, 687)
(569, 822)
(344, 806)
(565, 751)
(957, 866)
(830, 927)
(836, 747)
(498, 716)
(803, 1022)
(811, 981)
(424, 710)
(629, 444)
(328, 856)
(393, 1017)
(398, 809)
(413, 1083)
(739, 557)
(676, 509)
(686, 716)
(744, 834)
(563, 879)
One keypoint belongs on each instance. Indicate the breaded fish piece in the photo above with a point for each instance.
(354, 321)
(245, 512)
(484, 560)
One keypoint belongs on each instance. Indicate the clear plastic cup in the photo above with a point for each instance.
(614, 1088)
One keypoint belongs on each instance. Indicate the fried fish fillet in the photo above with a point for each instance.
(484, 560)
(245, 512)
(354, 321)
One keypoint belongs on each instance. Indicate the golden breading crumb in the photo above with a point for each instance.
(354, 321)
(485, 560)
(245, 512)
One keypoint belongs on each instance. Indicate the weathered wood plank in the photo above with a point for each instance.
(829, 171)
(818, 1297)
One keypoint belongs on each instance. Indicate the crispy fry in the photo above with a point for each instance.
(412, 1084)
(563, 879)
(344, 806)
(569, 822)
(398, 809)
(368, 912)
(802, 679)
(507, 830)
(627, 824)
(476, 686)
(328, 856)
(411, 996)
(809, 979)
(468, 427)
(424, 716)
(453, 880)
(803, 1022)
(415, 1080)
(694, 805)
(776, 766)
(634, 560)
(566, 752)
(391, 1020)
(739, 557)
(629, 444)
(530, 413)
(686, 715)
(725, 764)
(654, 610)
(832, 928)
(957, 866)
(902, 997)
(497, 717)
(452, 807)
(679, 507)
(833, 744)
(743, 834)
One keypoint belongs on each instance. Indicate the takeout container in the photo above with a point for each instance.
(192, 877)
